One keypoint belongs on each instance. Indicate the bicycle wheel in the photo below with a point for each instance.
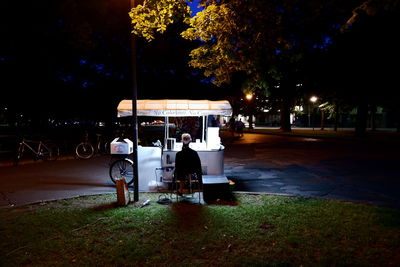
(50, 151)
(84, 150)
(107, 148)
(122, 168)
(103, 148)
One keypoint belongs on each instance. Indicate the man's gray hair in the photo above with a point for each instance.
(186, 138)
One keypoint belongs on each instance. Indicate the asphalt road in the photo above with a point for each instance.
(360, 172)
(337, 169)
(43, 181)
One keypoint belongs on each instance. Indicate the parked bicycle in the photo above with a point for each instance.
(44, 150)
(86, 150)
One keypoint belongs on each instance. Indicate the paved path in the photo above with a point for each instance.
(345, 170)
(44, 181)
(355, 171)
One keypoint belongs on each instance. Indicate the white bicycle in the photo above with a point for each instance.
(44, 150)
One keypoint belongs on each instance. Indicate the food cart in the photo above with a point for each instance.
(156, 163)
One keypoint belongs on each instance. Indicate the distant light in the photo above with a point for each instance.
(298, 108)
(249, 96)
(313, 99)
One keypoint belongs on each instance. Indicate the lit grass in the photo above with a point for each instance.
(256, 230)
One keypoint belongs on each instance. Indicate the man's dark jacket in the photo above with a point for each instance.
(187, 161)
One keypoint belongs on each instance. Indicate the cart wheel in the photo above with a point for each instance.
(122, 168)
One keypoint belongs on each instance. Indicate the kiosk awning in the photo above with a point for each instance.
(175, 108)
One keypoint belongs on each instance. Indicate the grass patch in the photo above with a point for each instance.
(257, 230)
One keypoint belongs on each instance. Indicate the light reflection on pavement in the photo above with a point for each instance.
(312, 167)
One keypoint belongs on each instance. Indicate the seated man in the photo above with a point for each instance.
(187, 164)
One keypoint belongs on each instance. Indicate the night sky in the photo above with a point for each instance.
(71, 59)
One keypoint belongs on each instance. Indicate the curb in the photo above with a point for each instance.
(10, 163)
(51, 199)
(262, 193)
(292, 134)
(366, 138)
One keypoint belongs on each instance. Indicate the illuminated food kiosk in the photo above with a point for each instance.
(156, 158)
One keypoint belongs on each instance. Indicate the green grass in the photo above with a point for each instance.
(255, 230)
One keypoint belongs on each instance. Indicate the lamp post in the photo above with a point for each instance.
(249, 98)
(133, 4)
(313, 99)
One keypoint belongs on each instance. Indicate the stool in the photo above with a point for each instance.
(192, 185)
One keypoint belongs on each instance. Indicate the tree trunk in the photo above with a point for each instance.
(373, 118)
(397, 114)
(322, 119)
(251, 121)
(361, 119)
(285, 115)
(336, 117)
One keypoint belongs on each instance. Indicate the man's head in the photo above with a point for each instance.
(186, 138)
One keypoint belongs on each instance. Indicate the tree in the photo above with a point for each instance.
(357, 70)
(153, 16)
(267, 40)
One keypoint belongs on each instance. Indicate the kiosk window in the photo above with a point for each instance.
(180, 125)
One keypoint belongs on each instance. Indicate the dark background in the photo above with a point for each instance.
(71, 60)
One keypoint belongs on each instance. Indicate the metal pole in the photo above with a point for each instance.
(204, 127)
(134, 113)
(313, 114)
(166, 131)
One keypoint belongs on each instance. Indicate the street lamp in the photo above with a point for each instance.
(249, 96)
(313, 99)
